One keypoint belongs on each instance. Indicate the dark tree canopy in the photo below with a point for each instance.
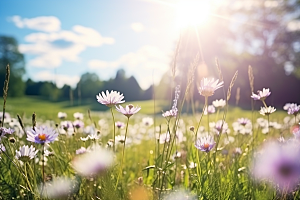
(9, 54)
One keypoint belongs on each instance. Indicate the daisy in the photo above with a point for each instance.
(66, 125)
(26, 153)
(110, 99)
(209, 110)
(220, 126)
(93, 163)
(205, 143)
(78, 124)
(78, 116)
(81, 151)
(58, 188)
(294, 109)
(5, 131)
(62, 115)
(267, 110)
(243, 121)
(261, 95)
(279, 164)
(147, 121)
(42, 135)
(129, 110)
(208, 86)
(119, 124)
(219, 103)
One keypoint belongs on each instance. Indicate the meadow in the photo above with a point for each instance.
(136, 152)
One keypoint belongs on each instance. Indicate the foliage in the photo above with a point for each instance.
(9, 54)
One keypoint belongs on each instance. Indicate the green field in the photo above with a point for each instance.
(25, 106)
(149, 168)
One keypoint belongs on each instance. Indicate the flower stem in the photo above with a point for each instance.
(205, 105)
(114, 133)
(264, 103)
(26, 177)
(123, 154)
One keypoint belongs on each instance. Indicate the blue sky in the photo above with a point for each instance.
(63, 39)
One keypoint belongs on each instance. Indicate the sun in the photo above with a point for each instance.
(192, 13)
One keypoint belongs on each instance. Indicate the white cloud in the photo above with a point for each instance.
(143, 63)
(60, 79)
(52, 48)
(148, 56)
(137, 27)
(42, 23)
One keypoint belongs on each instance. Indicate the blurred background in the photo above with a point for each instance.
(71, 50)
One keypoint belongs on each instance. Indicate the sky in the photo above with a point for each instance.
(61, 40)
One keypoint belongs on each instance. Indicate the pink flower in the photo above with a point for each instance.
(261, 95)
(208, 86)
(129, 110)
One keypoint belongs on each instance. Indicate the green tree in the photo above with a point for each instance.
(88, 86)
(9, 54)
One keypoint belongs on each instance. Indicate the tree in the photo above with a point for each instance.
(243, 33)
(9, 54)
(88, 86)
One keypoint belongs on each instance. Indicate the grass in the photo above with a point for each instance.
(47, 109)
(149, 167)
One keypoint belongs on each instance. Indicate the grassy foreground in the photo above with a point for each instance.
(152, 166)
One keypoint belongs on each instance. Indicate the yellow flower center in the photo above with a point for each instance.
(42, 137)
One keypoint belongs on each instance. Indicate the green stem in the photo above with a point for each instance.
(30, 169)
(218, 110)
(268, 123)
(264, 103)
(123, 154)
(114, 126)
(26, 178)
(198, 169)
(207, 122)
(205, 105)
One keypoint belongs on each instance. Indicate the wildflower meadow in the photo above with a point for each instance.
(212, 153)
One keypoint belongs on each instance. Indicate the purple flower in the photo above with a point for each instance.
(81, 150)
(218, 127)
(279, 164)
(2, 148)
(78, 124)
(170, 113)
(173, 112)
(5, 131)
(66, 125)
(119, 124)
(205, 143)
(293, 109)
(110, 99)
(42, 135)
(208, 86)
(287, 106)
(129, 110)
(243, 121)
(209, 109)
(261, 95)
